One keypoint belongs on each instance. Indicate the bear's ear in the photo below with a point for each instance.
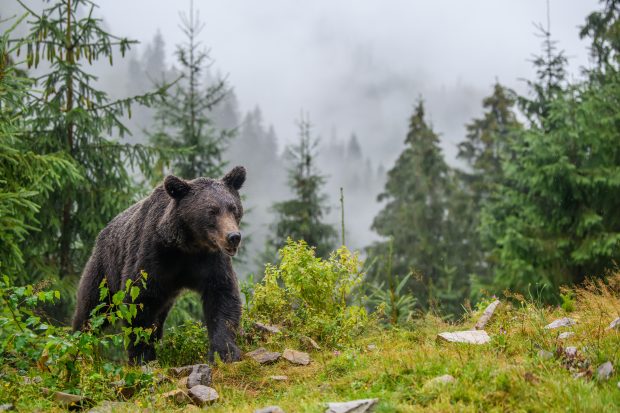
(176, 187)
(235, 178)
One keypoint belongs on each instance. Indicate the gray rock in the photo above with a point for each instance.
(7, 407)
(565, 335)
(72, 401)
(202, 395)
(178, 372)
(469, 337)
(262, 356)
(570, 351)
(265, 328)
(310, 343)
(32, 380)
(371, 347)
(296, 357)
(440, 380)
(604, 371)
(270, 409)
(201, 374)
(544, 354)
(614, 324)
(486, 315)
(354, 406)
(177, 396)
(561, 322)
(279, 378)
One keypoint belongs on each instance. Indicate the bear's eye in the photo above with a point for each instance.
(232, 208)
(214, 211)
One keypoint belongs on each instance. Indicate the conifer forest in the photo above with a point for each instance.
(309, 207)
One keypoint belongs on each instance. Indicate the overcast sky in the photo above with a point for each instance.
(360, 65)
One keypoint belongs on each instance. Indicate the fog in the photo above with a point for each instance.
(354, 67)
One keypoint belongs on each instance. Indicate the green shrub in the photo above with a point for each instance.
(309, 296)
(184, 344)
(27, 341)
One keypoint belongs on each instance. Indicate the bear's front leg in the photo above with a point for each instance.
(222, 310)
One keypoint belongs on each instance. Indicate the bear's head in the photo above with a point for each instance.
(204, 214)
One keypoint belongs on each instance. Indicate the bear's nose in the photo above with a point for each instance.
(234, 238)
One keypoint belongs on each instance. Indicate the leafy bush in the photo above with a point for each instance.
(309, 296)
(184, 344)
(28, 341)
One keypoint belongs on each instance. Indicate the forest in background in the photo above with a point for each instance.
(533, 209)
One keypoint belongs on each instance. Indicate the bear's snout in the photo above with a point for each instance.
(233, 238)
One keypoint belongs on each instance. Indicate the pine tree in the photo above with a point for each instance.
(301, 218)
(603, 29)
(71, 117)
(414, 217)
(183, 120)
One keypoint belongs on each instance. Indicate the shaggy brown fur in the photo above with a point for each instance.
(183, 235)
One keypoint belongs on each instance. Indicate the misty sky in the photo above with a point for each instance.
(360, 65)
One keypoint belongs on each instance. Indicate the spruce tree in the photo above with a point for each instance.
(302, 217)
(26, 177)
(183, 117)
(73, 118)
(414, 217)
(482, 150)
(553, 221)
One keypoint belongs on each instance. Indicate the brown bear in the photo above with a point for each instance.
(183, 236)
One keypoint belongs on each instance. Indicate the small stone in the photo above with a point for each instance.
(470, 337)
(279, 378)
(604, 371)
(72, 401)
(486, 315)
(266, 328)
(162, 379)
(310, 343)
(177, 396)
(202, 395)
(201, 374)
(178, 372)
(6, 407)
(354, 406)
(581, 374)
(544, 354)
(296, 357)
(270, 409)
(32, 380)
(262, 356)
(371, 347)
(561, 322)
(570, 351)
(445, 379)
(565, 335)
(614, 324)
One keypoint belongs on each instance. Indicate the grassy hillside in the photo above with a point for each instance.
(395, 366)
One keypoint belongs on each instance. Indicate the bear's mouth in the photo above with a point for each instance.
(231, 252)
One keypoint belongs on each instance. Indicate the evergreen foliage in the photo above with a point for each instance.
(415, 215)
(301, 218)
(69, 117)
(182, 118)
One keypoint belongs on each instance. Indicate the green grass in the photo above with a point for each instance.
(505, 375)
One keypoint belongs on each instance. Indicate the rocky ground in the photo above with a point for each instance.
(508, 356)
